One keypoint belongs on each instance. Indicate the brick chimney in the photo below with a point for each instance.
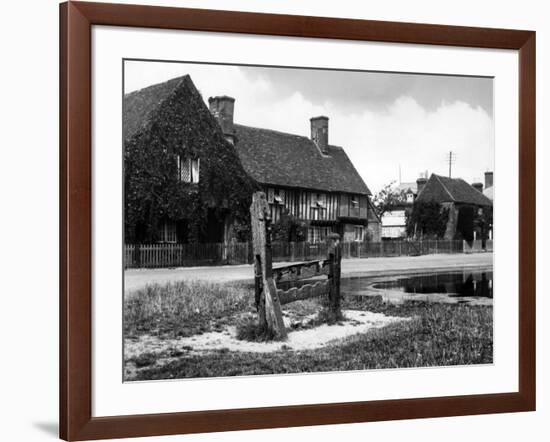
(420, 183)
(319, 132)
(222, 108)
(488, 179)
(478, 187)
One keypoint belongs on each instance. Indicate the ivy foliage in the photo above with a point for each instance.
(483, 222)
(427, 220)
(465, 223)
(470, 219)
(182, 125)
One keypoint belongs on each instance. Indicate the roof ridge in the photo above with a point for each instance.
(332, 146)
(181, 79)
(445, 187)
(273, 131)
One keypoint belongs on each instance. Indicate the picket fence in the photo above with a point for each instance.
(186, 255)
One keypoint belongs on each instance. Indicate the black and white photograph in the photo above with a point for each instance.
(290, 220)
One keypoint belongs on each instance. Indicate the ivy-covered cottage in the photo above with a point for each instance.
(307, 179)
(183, 181)
(190, 172)
(469, 210)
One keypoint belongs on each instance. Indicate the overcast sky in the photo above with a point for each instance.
(384, 121)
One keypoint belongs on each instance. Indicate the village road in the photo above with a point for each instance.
(137, 278)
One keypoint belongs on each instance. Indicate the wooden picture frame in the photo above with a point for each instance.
(76, 421)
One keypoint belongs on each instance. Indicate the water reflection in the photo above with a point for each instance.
(479, 284)
(460, 286)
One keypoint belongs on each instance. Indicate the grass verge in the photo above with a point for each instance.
(437, 335)
(183, 308)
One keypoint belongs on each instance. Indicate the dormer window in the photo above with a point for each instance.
(319, 200)
(188, 169)
(278, 196)
(410, 197)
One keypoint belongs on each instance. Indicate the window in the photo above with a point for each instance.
(318, 213)
(270, 195)
(358, 233)
(410, 197)
(278, 196)
(354, 202)
(188, 169)
(321, 200)
(318, 200)
(313, 235)
(317, 234)
(314, 199)
(168, 232)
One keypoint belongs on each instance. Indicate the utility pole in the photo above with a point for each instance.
(399, 173)
(451, 159)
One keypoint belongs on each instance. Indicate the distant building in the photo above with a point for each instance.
(464, 201)
(394, 221)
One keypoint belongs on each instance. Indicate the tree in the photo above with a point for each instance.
(388, 198)
(427, 219)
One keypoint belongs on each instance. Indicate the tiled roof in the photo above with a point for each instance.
(283, 159)
(443, 189)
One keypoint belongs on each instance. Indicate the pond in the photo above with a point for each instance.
(465, 286)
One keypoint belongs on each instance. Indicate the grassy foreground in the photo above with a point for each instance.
(183, 308)
(437, 335)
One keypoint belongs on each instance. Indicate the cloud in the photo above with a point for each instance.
(355, 91)
(417, 140)
(406, 135)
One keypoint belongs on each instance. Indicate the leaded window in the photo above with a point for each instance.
(188, 169)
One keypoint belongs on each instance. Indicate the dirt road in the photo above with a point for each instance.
(136, 278)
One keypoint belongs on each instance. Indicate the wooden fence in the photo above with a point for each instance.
(186, 255)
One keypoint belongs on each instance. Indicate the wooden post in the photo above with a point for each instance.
(267, 300)
(335, 257)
